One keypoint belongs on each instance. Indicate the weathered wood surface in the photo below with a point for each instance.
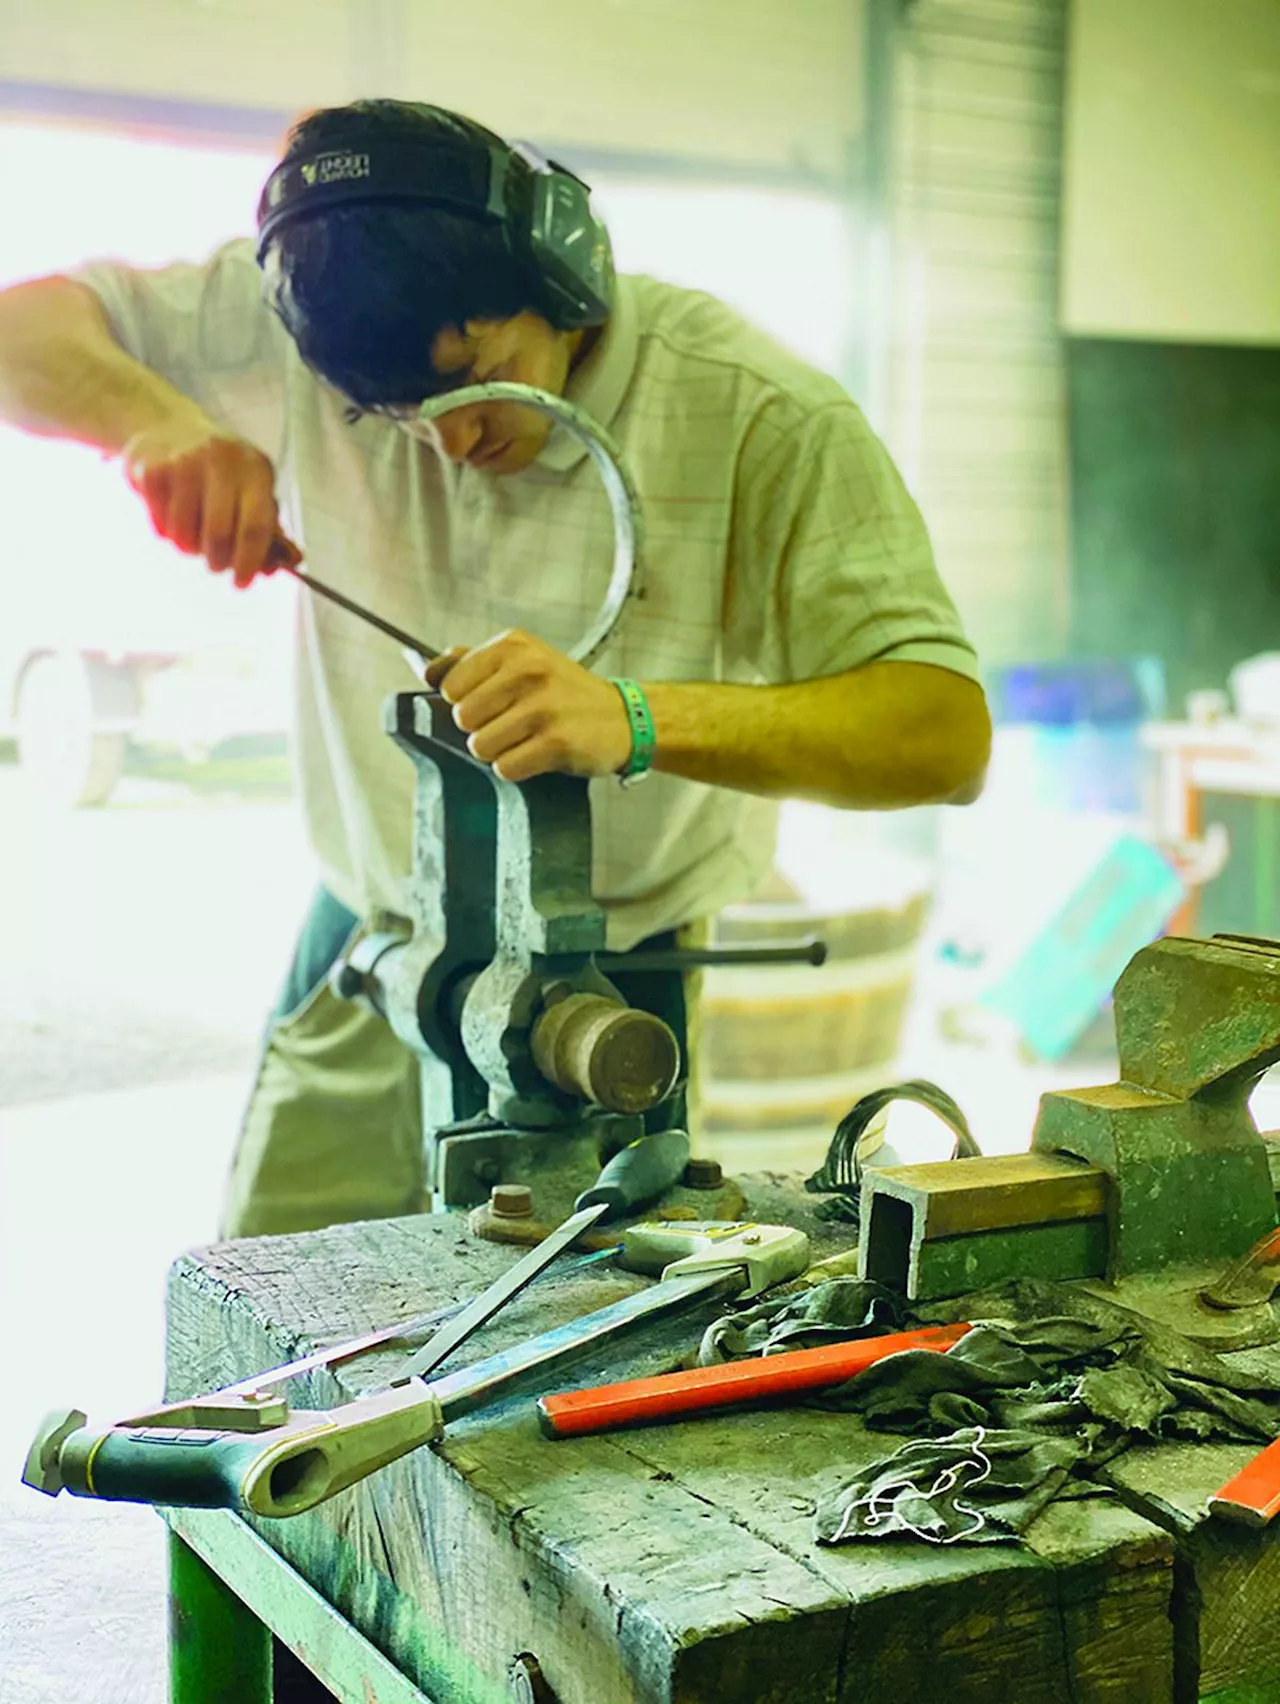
(674, 1565)
(1227, 1580)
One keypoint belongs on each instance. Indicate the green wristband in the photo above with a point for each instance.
(643, 740)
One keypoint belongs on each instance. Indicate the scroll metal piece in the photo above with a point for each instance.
(624, 502)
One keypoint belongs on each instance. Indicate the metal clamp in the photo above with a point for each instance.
(624, 501)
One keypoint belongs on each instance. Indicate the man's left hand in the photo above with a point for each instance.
(530, 710)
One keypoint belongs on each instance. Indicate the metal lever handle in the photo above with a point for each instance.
(689, 958)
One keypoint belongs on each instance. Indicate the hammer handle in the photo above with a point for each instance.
(761, 1379)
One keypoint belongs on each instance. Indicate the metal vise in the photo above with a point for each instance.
(491, 979)
(531, 1059)
(497, 987)
(1156, 1180)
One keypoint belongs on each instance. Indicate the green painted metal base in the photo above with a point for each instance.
(1264, 1690)
(219, 1651)
(229, 1593)
(955, 1265)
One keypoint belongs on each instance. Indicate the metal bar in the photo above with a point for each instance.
(499, 1293)
(991, 1192)
(471, 1387)
(339, 1353)
(426, 652)
(689, 958)
(276, 1599)
(219, 1650)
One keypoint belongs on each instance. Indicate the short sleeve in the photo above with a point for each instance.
(207, 329)
(830, 561)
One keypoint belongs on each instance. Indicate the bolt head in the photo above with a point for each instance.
(511, 1201)
(702, 1173)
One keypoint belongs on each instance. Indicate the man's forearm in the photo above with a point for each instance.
(63, 375)
(877, 738)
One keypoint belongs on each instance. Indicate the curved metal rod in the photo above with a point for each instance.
(624, 501)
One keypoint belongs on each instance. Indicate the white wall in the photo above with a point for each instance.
(743, 82)
(783, 259)
(1171, 223)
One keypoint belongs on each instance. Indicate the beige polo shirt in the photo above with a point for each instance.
(780, 545)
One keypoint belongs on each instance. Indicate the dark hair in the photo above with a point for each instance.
(364, 291)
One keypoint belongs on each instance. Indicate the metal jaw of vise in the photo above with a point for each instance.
(525, 1045)
(1148, 1186)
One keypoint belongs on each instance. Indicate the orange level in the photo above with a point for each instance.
(767, 1378)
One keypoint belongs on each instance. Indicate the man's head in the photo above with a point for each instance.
(409, 252)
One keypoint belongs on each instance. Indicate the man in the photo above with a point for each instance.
(793, 640)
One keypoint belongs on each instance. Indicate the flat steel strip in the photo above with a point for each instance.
(499, 1293)
(471, 1387)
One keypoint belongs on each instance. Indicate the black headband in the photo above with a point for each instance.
(435, 174)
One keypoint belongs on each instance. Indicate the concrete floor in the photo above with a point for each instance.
(97, 1193)
(142, 945)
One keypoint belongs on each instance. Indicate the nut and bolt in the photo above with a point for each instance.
(511, 1201)
(702, 1173)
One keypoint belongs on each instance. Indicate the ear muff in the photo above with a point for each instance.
(567, 244)
(544, 209)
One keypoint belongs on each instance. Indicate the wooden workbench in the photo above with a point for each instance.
(676, 1564)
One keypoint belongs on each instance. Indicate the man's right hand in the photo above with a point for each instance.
(211, 493)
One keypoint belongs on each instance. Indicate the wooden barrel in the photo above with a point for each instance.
(784, 1051)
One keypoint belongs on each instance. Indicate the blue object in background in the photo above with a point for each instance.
(1090, 767)
(1064, 978)
(1082, 689)
(1086, 715)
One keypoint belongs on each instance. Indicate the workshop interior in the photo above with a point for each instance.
(861, 1290)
